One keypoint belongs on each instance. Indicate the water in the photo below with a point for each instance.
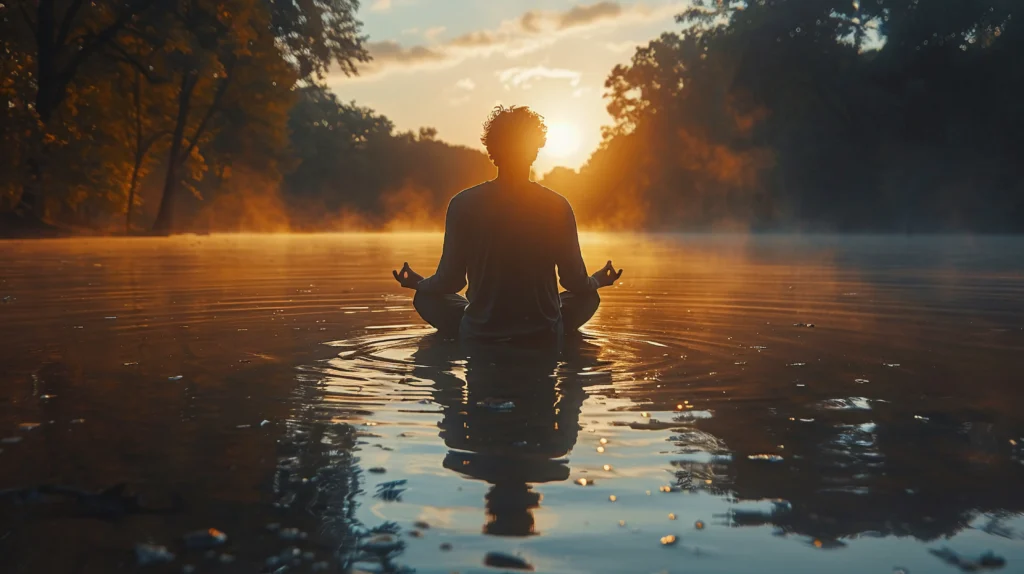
(271, 387)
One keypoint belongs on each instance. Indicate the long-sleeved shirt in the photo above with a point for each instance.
(508, 241)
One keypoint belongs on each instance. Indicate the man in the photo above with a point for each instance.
(508, 235)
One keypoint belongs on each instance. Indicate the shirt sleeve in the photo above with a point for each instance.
(450, 276)
(572, 271)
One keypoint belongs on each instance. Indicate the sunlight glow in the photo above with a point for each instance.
(563, 140)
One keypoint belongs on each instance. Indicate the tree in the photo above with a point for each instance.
(221, 37)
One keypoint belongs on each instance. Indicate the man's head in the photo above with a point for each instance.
(513, 136)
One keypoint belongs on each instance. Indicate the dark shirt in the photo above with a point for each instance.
(509, 242)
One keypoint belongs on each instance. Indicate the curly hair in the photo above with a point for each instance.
(515, 131)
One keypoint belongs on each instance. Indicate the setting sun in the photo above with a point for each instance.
(563, 140)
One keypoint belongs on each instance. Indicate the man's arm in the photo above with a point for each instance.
(450, 276)
(572, 271)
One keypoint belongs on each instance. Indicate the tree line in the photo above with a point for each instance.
(175, 115)
(849, 115)
(837, 115)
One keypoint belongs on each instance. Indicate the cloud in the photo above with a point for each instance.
(432, 33)
(527, 33)
(380, 6)
(522, 77)
(389, 52)
(583, 15)
(466, 84)
(622, 47)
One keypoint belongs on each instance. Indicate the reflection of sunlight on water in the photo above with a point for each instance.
(697, 391)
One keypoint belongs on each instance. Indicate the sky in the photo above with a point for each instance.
(446, 63)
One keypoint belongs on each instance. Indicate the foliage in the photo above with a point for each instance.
(891, 114)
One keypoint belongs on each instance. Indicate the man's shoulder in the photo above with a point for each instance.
(552, 195)
(469, 193)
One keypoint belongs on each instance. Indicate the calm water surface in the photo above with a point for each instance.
(262, 384)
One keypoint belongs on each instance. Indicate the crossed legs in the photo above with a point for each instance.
(444, 312)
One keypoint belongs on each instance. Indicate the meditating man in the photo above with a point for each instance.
(508, 235)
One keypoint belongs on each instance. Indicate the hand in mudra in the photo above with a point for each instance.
(407, 277)
(607, 275)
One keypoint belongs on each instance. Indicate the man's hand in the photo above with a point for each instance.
(407, 277)
(607, 275)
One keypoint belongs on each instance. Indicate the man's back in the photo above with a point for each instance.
(508, 241)
(508, 236)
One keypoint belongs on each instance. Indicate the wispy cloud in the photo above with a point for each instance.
(390, 52)
(432, 34)
(523, 77)
(466, 84)
(529, 32)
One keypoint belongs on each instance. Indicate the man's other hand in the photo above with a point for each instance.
(607, 275)
(407, 277)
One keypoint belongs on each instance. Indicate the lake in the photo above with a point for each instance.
(797, 404)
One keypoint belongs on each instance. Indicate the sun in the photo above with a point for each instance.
(563, 140)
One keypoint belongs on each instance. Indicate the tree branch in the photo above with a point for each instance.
(214, 108)
(100, 40)
(65, 25)
(126, 58)
(28, 20)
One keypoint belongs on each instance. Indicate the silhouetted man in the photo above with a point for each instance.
(508, 235)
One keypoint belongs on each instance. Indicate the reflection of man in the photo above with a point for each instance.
(508, 235)
(511, 424)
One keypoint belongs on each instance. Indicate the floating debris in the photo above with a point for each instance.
(861, 381)
(292, 534)
(496, 404)
(986, 560)
(502, 560)
(891, 365)
(607, 467)
(669, 540)
(131, 363)
(176, 378)
(264, 423)
(28, 426)
(47, 397)
(422, 525)
(600, 449)
(390, 491)
(921, 418)
(699, 525)
(146, 554)
(585, 482)
(766, 457)
(205, 539)
(796, 364)
(382, 544)
(740, 363)
(445, 546)
(612, 498)
(377, 470)
(671, 516)
(809, 325)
